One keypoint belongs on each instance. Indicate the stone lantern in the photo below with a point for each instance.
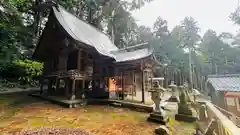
(157, 115)
(185, 87)
(173, 97)
(184, 108)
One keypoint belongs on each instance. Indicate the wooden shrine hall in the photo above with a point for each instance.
(81, 61)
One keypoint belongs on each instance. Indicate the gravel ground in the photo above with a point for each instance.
(54, 131)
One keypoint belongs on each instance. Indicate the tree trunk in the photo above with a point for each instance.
(190, 69)
(36, 16)
(90, 15)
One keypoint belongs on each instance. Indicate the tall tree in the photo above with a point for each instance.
(190, 38)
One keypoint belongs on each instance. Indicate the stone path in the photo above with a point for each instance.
(148, 99)
(13, 90)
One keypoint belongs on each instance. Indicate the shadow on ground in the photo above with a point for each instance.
(19, 112)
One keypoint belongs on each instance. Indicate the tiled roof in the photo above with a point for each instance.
(85, 33)
(228, 82)
(132, 55)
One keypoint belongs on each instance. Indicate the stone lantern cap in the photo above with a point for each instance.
(160, 89)
(172, 85)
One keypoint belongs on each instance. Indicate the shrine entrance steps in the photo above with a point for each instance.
(60, 100)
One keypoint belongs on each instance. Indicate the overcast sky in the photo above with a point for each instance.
(210, 14)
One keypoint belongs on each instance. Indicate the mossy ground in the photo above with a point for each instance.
(20, 112)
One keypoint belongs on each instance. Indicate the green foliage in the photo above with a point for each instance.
(217, 55)
(23, 71)
(189, 34)
(15, 37)
(22, 22)
(235, 16)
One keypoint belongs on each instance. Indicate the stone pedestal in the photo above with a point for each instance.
(185, 118)
(158, 117)
(184, 110)
(173, 98)
(185, 114)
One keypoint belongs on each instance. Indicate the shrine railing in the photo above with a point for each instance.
(223, 125)
(69, 73)
(235, 119)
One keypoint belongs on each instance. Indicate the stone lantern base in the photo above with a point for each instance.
(185, 118)
(173, 99)
(185, 114)
(158, 117)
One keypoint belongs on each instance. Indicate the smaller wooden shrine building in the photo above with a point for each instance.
(224, 91)
(79, 60)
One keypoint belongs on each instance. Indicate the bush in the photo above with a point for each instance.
(22, 71)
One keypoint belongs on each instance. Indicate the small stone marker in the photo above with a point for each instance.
(162, 130)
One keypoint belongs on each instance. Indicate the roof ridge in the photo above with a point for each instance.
(135, 46)
(223, 75)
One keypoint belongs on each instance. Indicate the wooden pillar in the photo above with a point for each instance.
(79, 60)
(79, 69)
(50, 82)
(83, 83)
(143, 92)
(133, 77)
(85, 71)
(41, 85)
(57, 84)
(66, 87)
(142, 76)
(94, 75)
(152, 80)
(73, 97)
(122, 83)
(133, 83)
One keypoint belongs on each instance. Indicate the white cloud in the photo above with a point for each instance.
(210, 14)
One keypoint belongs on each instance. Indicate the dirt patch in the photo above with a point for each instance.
(125, 128)
(54, 131)
(30, 117)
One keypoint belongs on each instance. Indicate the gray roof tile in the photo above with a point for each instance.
(225, 82)
(84, 32)
(89, 35)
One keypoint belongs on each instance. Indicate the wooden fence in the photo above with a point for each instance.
(224, 125)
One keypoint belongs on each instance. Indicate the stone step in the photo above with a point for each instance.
(158, 118)
(160, 121)
(116, 104)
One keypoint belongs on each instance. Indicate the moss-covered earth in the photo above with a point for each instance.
(20, 112)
